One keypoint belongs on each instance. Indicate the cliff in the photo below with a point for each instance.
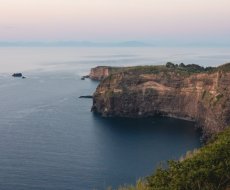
(191, 93)
(98, 73)
(101, 72)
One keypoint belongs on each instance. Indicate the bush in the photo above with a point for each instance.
(206, 169)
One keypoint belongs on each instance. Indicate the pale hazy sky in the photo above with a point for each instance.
(109, 20)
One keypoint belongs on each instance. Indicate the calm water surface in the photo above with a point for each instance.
(50, 140)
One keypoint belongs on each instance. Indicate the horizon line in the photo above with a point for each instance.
(127, 43)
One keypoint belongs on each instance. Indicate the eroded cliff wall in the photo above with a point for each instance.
(201, 97)
(99, 73)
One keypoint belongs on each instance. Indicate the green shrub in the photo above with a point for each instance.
(206, 169)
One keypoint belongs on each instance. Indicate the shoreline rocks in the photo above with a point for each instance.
(84, 77)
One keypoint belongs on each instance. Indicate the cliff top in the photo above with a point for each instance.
(181, 69)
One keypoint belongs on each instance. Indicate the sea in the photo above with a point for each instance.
(50, 139)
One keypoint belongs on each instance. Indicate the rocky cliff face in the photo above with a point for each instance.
(99, 73)
(148, 91)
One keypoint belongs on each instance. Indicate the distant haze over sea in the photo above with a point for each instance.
(131, 43)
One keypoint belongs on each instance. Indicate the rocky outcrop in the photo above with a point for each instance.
(101, 72)
(17, 75)
(84, 77)
(203, 97)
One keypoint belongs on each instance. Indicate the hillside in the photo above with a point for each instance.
(205, 169)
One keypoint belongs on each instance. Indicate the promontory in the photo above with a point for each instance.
(188, 92)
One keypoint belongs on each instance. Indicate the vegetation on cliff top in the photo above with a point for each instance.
(205, 169)
(224, 67)
(169, 67)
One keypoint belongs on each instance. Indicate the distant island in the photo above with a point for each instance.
(189, 92)
(73, 44)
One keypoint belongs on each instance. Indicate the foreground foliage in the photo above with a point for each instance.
(205, 169)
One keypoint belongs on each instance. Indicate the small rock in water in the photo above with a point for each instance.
(17, 75)
(86, 96)
(84, 77)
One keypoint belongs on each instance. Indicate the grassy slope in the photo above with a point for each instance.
(205, 169)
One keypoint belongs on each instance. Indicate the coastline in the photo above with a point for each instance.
(116, 88)
(189, 92)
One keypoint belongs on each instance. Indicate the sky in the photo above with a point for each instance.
(115, 20)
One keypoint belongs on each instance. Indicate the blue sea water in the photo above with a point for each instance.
(50, 140)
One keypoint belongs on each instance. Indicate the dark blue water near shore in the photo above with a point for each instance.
(49, 139)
